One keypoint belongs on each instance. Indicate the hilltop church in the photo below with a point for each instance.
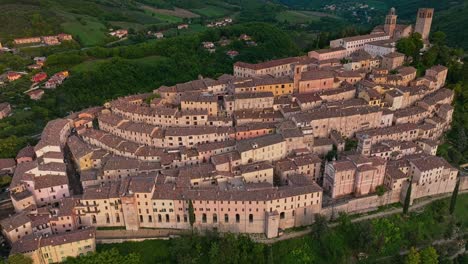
(397, 31)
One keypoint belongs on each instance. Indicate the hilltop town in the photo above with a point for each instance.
(257, 152)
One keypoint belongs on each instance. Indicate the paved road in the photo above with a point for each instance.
(296, 234)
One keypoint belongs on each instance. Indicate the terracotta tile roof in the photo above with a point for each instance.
(267, 64)
(259, 142)
(31, 243)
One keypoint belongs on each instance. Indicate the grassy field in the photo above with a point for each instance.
(212, 11)
(193, 28)
(300, 17)
(176, 12)
(90, 31)
(461, 210)
(164, 17)
(151, 251)
(92, 65)
(127, 25)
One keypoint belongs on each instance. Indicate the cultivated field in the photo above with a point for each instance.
(177, 12)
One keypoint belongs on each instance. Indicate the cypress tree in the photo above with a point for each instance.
(407, 198)
(191, 214)
(453, 201)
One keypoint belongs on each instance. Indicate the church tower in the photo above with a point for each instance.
(424, 21)
(390, 22)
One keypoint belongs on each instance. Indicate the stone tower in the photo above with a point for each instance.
(390, 22)
(424, 21)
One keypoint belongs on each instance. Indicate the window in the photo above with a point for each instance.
(204, 218)
(251, 218)
(167, 218)
(226, 218)
(215, 218)
(237, 218)
(282, 215)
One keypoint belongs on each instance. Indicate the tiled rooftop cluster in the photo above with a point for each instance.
(246, 150)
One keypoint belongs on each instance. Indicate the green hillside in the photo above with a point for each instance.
(450, 16)
(90, 20)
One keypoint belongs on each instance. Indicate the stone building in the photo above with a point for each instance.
(354, 174)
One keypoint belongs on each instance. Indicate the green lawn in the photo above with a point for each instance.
(149, 59)
(89, 30)
(164, 17)
(193, 28)
(295, 17)
(212, 11)
(92, 65)
(151, 251)
(127, 25)
(461, 209)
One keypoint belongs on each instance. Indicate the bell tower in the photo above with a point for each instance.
(390, 22)
(424, 22)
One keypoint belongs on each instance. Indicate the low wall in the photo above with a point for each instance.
(138, 234)
(361, 204)
(121, 240)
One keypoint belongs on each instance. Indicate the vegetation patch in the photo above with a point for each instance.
(212, 11)
(87, 30)
(177, 12)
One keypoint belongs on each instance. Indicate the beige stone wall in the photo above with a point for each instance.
(211, 107)
(367, 181)
(101, 212)
(259, 176)
(272, 152)
(309, 86)
(58, 253)
(338, 183)
(17, 233)
(23, 204)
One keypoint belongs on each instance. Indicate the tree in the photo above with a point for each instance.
(19, 259)
(350, 144)
(302, 255)
(462, 140)
(387, 236)
(407, 198)
(380, 190)
(191, 214)
(332, 154)
(453, 200)
(411, 46)
(106, 257)
(364, 233)
(320, 226)
(413, 257)
(214, 253)
(429, 256)
(438, 38)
